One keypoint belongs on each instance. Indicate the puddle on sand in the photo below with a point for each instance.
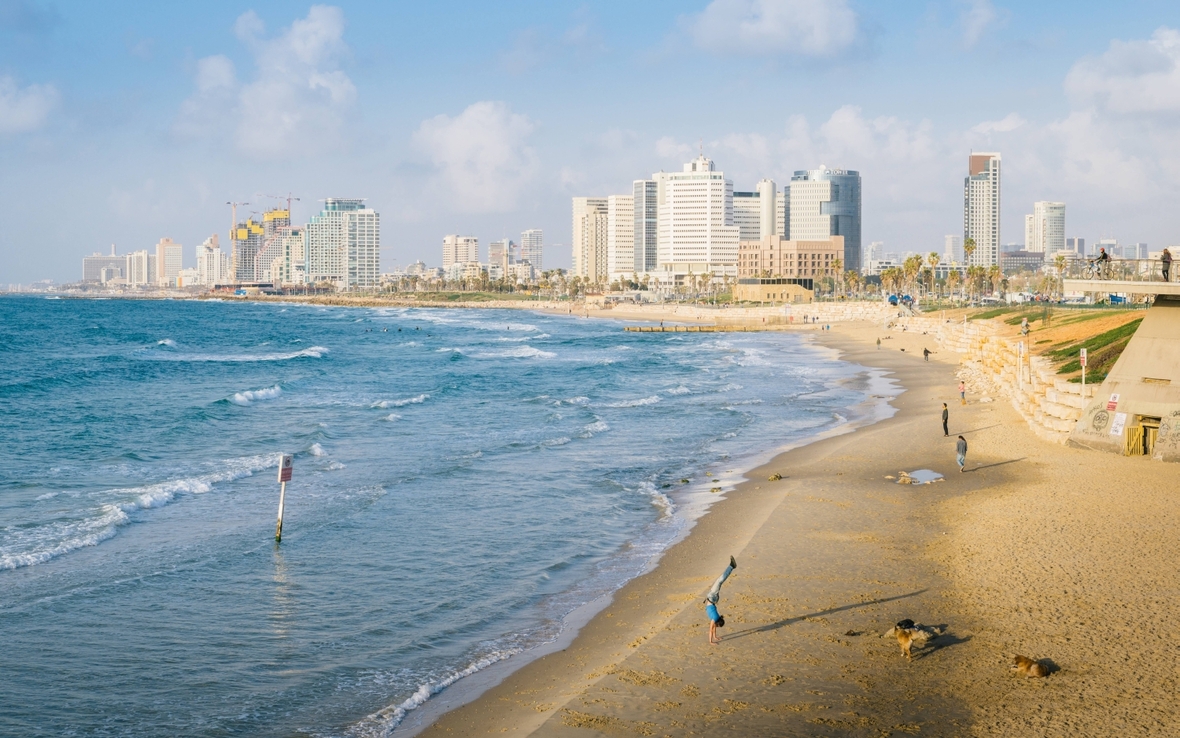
(924, 476)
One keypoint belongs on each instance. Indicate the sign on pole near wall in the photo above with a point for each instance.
(1083, 358)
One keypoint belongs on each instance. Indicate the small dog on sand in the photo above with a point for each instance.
(907, 633)
(1028, 667)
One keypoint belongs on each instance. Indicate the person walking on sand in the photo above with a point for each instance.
(926, 354)
(946, 415)
(716, 620)
(961, 452)
(962, 393)
(878, 343)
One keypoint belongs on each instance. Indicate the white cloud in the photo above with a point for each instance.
(977, 17)
(668, 148)
(1009, 122)
(1140, 76)
(296, 101)
(481, 157)
(25, 109)
(767, 27)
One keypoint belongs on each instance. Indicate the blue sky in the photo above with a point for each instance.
(126, 122)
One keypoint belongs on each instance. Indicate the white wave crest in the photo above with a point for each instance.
(598, 426)
(578, 401)
(386, 404)
(521, 352)
(249, 398)
(681, 390)
(335, 466)
(29, 546)
(392, 417)
(166, 342)
(383, 722)
(556, 441)
(635, 403)
(317, 450)
(315, 352)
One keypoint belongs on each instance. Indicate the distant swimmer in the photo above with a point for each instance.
(716, 620)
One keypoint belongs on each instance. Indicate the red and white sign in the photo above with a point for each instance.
(285, 465)
(1083, 357)
(1113, 402)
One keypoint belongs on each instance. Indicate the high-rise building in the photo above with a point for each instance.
(276, 224)
(344, 244)
(213, 265)
(952, 252)
(825, 202)
(247, 242)
(459, 250)
(646, 240)
(1076, 245)
(501, 256)
(620, 237)
(759, 213)
(1047, 228)
(93, 266)
(1028, 231)
(590, 229)
(532, 244)
(697, 234)
(981, 208)
(169, 261)
(141, 268)
(290, 266)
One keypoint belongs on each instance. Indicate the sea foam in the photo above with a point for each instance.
(249, 398)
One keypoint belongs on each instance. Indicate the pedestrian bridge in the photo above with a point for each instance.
(1121, 277)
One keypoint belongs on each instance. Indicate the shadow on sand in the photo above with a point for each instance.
(998, 463)
(782, 623)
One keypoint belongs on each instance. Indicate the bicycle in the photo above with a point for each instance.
(1096, 270)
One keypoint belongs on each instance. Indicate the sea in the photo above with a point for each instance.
(463, 480)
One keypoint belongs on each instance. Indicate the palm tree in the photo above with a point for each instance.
(968, 249)
(995, 276)
(932, 259)
(911, 267)
(952, 281)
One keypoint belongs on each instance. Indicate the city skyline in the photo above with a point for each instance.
(174, 111)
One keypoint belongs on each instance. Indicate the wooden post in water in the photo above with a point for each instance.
(285, 462)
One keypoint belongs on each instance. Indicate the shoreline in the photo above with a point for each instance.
(691, 505)
(442, 716)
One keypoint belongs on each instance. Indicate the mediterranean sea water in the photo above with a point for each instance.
(463, 479)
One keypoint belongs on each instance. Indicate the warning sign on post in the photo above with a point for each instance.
(285, 465)
(1113, 402)
(1083, 358)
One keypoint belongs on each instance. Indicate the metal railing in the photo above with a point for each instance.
(1130, 270)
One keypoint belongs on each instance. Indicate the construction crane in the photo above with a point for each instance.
(288, 197)
(233, 225)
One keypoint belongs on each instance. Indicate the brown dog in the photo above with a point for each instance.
(1028, 667)
(905, 639)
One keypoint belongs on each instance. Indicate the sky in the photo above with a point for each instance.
(125, 122)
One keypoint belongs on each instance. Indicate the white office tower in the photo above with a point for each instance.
(1028, 232)
(768, 221)
(981, 208)
(290, 266)
(501, 256)
(697, 234)
(169, 261)
(102, 269)
(459, 250)
(747, 215)
(952, 252)
(645, 205)
(344, 245)
(532, 244)
(590, 229)
(1047, 228)
(141, 268)
(213, 265)
(825, 202)
(620, 236)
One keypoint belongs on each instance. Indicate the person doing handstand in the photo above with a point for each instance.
(716, 620)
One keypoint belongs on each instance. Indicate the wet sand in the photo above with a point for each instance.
(1056, 553)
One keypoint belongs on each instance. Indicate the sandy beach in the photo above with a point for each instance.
(1056, 553)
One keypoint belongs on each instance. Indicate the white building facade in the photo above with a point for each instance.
(697, 234)
(981, 208)
(459, 250)
(344, 245)
(620, 237)
(826, 202)
(169, 262)
(532, 247)
(1047, 228)
(590, 230)
(213, 265)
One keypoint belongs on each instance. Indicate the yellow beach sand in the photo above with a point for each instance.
(1051, 552)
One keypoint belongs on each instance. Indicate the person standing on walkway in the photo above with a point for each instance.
(1166, 260)
(962, 393)
(961, 452)
(717, 620)
(946, 415)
